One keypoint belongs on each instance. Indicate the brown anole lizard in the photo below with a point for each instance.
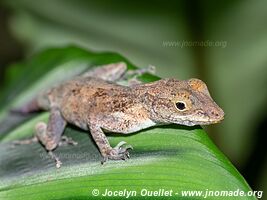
(95, 102)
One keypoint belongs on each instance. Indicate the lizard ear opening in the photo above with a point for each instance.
(180, 105)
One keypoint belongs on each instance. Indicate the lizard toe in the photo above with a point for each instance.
(118, 153)
(67, 141)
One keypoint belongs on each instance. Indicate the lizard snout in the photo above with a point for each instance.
(216, 114)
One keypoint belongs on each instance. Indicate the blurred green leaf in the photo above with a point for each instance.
(173, 157)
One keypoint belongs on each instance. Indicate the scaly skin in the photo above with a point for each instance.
(95, 102)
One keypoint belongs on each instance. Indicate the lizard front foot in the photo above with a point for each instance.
(119, 152)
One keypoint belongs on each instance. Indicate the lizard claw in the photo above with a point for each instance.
(120, 144)
(56, 159)
(119, 152)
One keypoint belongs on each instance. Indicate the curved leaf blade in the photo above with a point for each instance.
(173, 157)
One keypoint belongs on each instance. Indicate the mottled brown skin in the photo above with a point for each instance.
(92, 102)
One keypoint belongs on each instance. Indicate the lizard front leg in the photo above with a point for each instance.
(117, 153)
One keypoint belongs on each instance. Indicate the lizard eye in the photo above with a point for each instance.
(180, 105)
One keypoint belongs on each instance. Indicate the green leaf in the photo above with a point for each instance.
(171, 158)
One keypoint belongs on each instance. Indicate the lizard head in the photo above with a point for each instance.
(184, 102)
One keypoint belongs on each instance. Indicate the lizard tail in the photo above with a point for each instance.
(30, 107)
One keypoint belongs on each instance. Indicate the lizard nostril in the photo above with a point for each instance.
(215, 113)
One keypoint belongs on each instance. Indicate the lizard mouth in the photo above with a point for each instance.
(207, 121)
(210, 121)
(212, 116)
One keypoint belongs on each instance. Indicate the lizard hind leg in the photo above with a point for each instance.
(130, 78)
(50, 134)
(109, 72)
